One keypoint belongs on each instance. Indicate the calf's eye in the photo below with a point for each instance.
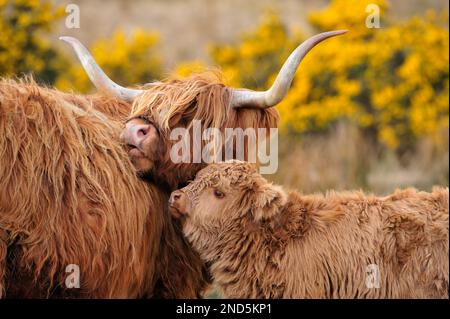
(218, 194)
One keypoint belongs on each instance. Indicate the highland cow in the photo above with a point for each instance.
(261, 242)
(70, 197)
(160, 107)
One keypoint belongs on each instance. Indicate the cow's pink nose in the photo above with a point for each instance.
(134, 134)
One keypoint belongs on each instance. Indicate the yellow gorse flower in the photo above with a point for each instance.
(392, 81)
(23, 49)
(126, 59)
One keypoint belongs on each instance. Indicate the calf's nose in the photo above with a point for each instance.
(177, 202)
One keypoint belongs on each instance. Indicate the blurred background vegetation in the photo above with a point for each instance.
(367, 110)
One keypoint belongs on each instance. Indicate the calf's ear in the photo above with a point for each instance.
(268, 200)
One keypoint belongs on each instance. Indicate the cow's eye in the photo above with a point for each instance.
(218, 194)
(144, 118)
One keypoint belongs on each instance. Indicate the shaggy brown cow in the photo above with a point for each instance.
(261, 242)
(69, 194)
(163, 106)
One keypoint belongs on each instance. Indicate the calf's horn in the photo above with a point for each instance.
(273, 96)
(96, 74)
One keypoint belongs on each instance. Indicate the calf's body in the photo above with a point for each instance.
(263, 243)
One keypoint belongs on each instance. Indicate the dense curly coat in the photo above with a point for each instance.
(261, 242)
(70, 195)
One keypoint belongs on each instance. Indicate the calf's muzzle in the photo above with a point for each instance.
(178, 204)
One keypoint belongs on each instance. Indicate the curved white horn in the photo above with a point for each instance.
(279, 89)
(96, 74)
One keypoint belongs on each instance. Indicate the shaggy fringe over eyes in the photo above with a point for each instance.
(230, 173)
(177, 102)
(170, 100)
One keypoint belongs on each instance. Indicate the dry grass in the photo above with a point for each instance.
(345, 159)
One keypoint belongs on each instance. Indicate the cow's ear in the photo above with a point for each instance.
(268, 201)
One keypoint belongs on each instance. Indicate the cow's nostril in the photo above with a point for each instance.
(176, 196)
(142, 132)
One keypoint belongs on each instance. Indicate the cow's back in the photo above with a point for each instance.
(416, 247)
(69, 198)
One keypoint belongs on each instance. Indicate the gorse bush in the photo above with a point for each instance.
(253, 61)
(393, 82)
(23, 48)
(128, 60)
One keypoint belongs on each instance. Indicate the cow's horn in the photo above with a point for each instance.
(96, 74)
(279, 89)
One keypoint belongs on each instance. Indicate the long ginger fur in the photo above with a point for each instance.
(178, 102)
(69, 196)
(262, 242)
